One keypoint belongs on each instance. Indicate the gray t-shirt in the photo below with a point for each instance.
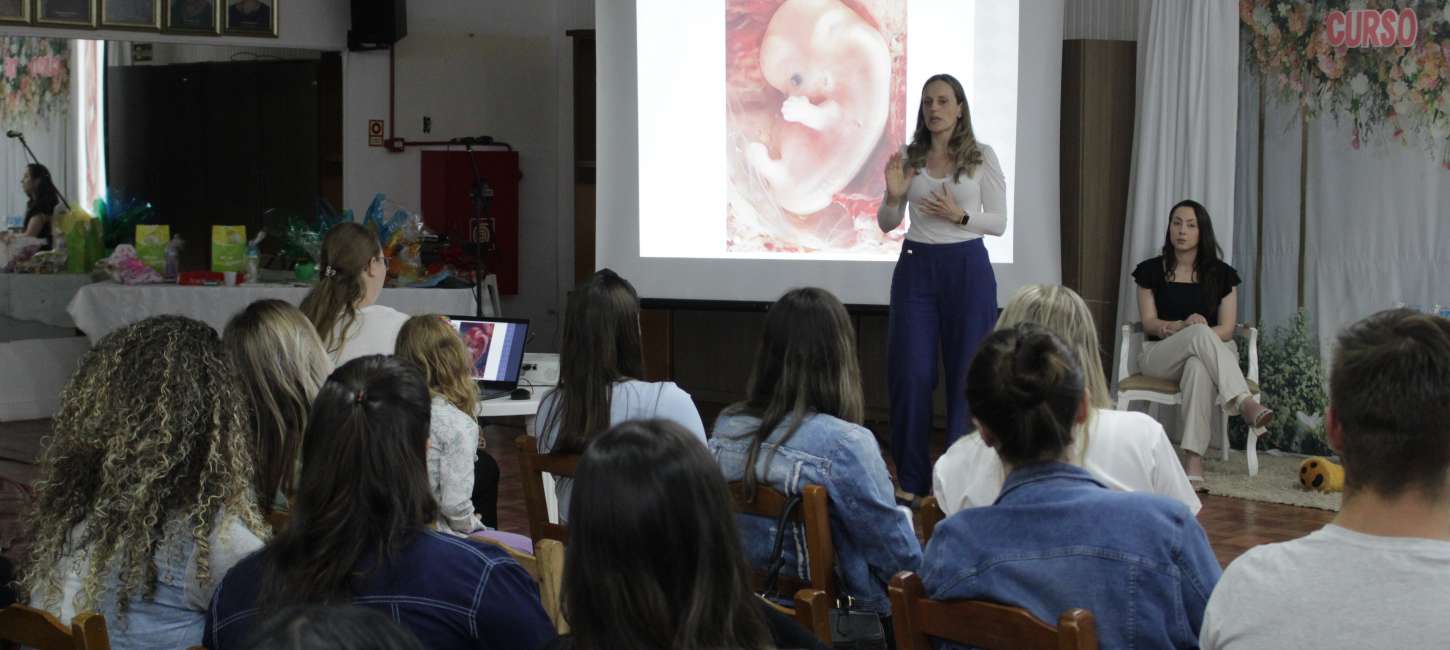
(1334, 588)
(629, 400)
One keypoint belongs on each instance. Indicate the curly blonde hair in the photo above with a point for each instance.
(152, 428)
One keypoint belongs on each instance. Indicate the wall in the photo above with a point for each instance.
(305, 24)
(491, 67)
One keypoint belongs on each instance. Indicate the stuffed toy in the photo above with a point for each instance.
(1318, 473)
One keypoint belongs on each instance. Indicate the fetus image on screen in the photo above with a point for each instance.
(815, 104)
(476, 336)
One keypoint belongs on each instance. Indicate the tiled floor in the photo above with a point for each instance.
(1233, 525)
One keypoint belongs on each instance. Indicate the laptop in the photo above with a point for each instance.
(496, 346)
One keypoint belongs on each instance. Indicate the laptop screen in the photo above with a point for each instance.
(496, 346)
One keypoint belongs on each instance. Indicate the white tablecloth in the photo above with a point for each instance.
(40, 297)
(100, 308)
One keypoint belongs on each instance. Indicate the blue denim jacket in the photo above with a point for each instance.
(872, 536)
(1058, 539)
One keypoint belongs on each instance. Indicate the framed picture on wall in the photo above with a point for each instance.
(131, 14)
(192, 16)
(250, 18)
(14, 11)
(70, 13)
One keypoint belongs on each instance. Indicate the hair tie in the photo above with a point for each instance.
(359, 397)
(328, 271)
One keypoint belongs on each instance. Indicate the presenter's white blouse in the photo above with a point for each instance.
(983, 194)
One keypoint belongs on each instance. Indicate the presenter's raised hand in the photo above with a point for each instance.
(898, 179)
(940, 203)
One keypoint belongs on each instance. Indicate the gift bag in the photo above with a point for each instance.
(228, 248)
(151, 245)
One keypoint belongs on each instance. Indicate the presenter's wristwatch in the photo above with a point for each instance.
(966, 216)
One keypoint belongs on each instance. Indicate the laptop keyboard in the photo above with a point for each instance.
(485, 394)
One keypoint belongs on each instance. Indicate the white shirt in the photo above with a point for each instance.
(373, 331)
(452, 451)
(1126, 450)
(1334, 588)
(983, 195)
(628, 400)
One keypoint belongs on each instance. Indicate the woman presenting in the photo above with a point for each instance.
(943, 291)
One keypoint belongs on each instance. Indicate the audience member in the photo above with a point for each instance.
(1124, 450)
(432, 345)
(600, 366)
(146, 490)
(342, 305)
(361, 530)
(1378, 576)
(801, 425)
(653, 560)
(345, 627)
(1188, 304)
(1057, 538)
(282, 365)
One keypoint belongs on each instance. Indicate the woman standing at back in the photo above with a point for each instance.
(342, 305)
(600, 366)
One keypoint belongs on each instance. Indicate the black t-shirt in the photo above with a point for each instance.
(1179, 300)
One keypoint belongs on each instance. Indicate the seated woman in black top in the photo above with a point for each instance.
(42, 197)
(1188, 304)
(653, 560)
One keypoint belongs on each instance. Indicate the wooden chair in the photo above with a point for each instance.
(1134, 386)
(989, 626)
(25, 626)
(532, 466)
(546, 567)
(277, 520)
(928, 514)
(820, 551)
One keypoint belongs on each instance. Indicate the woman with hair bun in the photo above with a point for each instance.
(1043, 546)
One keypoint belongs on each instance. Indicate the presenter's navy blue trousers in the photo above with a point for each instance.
(943, 298)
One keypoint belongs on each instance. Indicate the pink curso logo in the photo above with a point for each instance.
(1371, 28)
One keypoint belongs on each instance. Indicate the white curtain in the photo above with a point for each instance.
(1378, 225)
(1183, 138)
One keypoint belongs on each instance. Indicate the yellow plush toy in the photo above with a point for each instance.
(1318, 473)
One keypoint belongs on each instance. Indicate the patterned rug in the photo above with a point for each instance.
(1277, 481)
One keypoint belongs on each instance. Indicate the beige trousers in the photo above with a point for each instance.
(1208, 374)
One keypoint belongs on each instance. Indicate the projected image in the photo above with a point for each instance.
(476, 336)
(815, 94)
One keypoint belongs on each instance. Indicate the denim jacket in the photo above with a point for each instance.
(873, 538)
(1057, 539)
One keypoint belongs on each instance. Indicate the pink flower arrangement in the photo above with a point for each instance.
(36, 78)
(1400, 94)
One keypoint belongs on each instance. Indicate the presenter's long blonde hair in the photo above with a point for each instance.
(1062, 311)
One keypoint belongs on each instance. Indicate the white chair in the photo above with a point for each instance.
(1136, 387)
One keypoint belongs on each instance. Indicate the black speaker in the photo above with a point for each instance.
(377, 24)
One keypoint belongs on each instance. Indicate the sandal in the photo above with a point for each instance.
(912, 501)
(1200, 486)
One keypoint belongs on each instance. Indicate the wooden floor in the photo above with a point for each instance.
(1233, 525)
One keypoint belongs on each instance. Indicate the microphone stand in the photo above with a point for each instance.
(480, 230)
(36, 160)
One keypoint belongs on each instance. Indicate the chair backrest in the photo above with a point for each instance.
(546, 567)
(532, 466)
(35, 628)
(812, 514)
(1130, 343)
(917, 619)
(928, 514)
(277, 520)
